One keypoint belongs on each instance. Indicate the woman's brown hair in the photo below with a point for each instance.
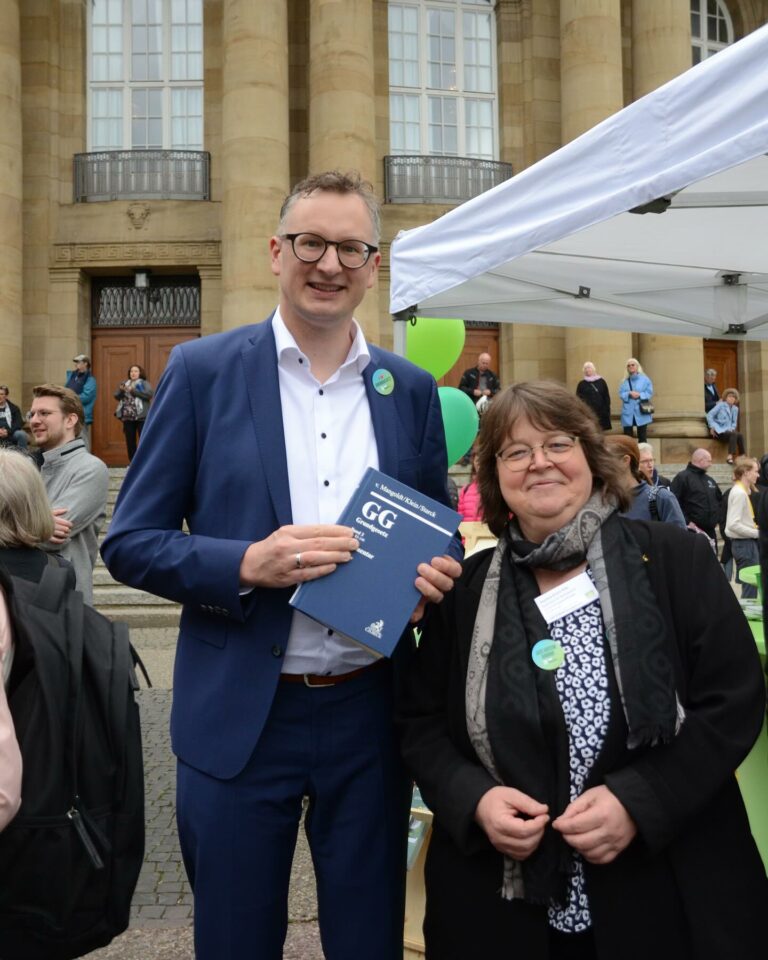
(549, 407)
(625, 446)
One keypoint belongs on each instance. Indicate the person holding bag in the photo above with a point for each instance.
(636, 407)
(133, 397)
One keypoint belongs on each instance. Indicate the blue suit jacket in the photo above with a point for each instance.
(213, 454)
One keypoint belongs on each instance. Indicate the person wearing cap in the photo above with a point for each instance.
(83, 382)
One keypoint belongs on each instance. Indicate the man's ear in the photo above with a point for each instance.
(274, 255)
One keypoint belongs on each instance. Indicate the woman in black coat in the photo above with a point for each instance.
(579, 756)
(593, 390)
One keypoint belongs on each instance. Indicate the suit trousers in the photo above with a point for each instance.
(335, 746)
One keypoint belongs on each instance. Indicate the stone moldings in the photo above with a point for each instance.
(136, 254)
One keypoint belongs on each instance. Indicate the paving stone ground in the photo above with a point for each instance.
(163, 905)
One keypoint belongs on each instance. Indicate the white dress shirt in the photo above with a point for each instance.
(329, 444)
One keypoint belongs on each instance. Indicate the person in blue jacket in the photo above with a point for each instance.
(723, 419)
(634, 391)
(649, 501)
(83, 382)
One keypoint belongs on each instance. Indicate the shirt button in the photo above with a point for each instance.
(330, 633)
(323, 436)
(277, 651)
(326, 483)
(320, 392)
(301, 359)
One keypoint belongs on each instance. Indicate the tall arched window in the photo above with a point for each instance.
(711, 28)
(145, 74)
(442, 78)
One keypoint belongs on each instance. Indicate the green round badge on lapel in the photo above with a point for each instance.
(548, 654)
(383, 382)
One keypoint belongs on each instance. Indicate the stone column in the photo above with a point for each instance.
(591, 85)
(68, 295)
(342, 130)
(10, 197)
(254, 153)
(210, 299)
(661, 43)
(661, 49)
(342, 114)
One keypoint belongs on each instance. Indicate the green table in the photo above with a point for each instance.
(753, 773)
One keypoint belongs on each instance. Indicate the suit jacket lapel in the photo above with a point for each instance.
(261, 381)
(384, 416)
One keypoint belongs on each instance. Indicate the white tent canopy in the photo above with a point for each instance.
(700, 268)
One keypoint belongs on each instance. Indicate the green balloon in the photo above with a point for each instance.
(434, 344)
(460, 420)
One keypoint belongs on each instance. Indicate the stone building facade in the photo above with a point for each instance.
(146, 145)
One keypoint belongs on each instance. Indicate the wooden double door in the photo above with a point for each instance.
(113, 352)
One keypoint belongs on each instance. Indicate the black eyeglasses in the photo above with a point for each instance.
(309, 248)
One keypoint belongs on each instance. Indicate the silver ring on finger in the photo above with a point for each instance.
(299, 564)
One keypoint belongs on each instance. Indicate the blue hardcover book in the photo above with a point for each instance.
(371, 598)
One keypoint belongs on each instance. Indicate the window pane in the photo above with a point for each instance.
(115, 68)
(695, 25)
(139, 40)
(100, 11)
(100, 71)
(139, 67)
(194, 66)
(155, 139)
(154, 63)
(100, 39)
(138, 134)
(155, 103)
(139, 11)
(179, 39)
(155, 38)
(179, 66)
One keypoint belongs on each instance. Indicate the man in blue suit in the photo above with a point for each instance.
(257, 437)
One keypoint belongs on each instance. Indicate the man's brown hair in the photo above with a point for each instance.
(334, 181)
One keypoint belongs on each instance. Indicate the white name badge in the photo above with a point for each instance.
(569, 596)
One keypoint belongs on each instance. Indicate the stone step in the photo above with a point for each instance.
(140, 615)
(117, 594)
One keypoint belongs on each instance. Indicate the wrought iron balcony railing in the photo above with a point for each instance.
(142, 175)
(420, 179)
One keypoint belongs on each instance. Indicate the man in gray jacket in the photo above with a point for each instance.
(76, 481)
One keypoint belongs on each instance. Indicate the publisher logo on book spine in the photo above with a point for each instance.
(376, 629)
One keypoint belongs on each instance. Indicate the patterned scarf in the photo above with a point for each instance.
(514, 717)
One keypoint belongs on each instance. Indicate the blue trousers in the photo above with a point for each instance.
(336, 746)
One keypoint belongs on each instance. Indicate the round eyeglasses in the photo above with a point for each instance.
(310, 247)
(519, 456)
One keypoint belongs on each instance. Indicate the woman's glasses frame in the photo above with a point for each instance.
(519, 456)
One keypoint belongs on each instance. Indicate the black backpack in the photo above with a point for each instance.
(70, 859)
